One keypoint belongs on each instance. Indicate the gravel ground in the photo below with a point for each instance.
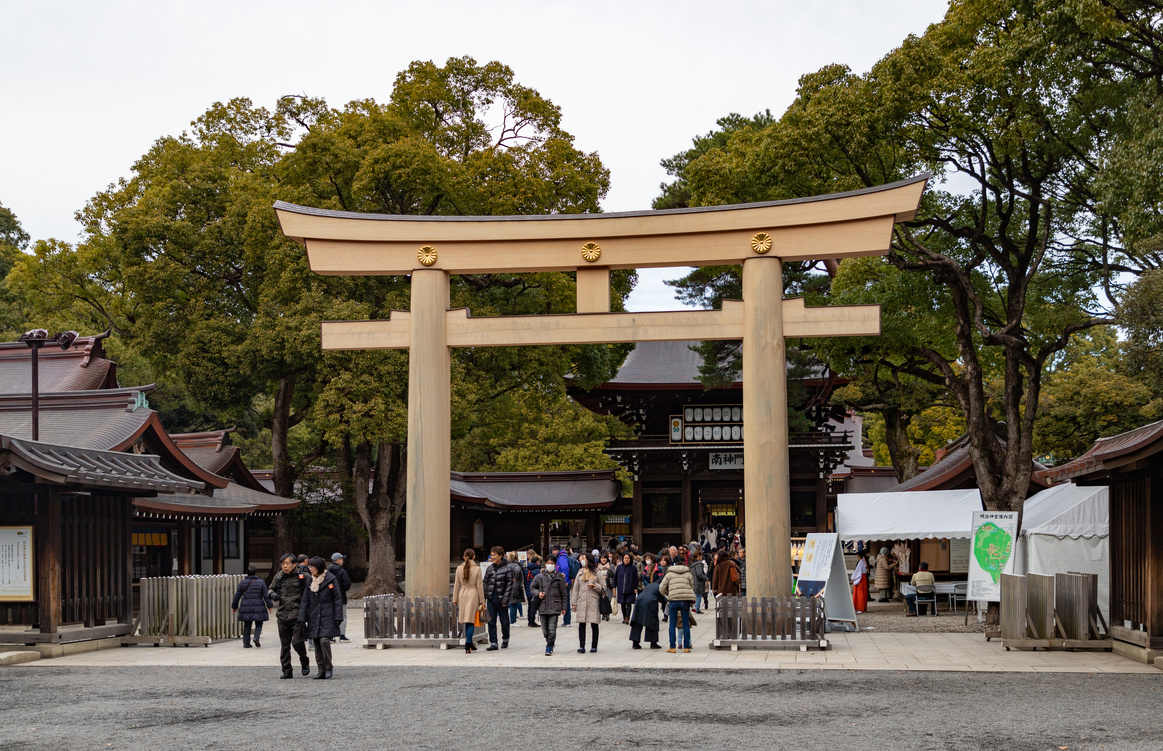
(889, 617)
(454, 708)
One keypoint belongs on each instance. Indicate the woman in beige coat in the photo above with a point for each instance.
(468, 594)
(588, 589)
(885, 565)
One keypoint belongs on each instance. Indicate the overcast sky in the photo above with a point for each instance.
(88, 86)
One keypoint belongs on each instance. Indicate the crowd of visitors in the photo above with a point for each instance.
(311, 600)
(571, 585)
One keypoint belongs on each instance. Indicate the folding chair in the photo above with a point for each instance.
(927, 595)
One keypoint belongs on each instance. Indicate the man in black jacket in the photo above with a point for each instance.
(344, 580)
(286, 591)
(498, 593)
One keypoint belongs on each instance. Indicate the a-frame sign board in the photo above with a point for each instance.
(822, 573)
(759, 236)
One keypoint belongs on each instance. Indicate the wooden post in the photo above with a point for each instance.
(593, 290)
(687, 524)
(219, 558)
(766, 492)
(48, 559)
(636, 515)
(429, 435)
(184, 547)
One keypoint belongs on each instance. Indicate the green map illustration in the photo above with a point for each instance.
(992, 547)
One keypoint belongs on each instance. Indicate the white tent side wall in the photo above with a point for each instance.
(907, 515)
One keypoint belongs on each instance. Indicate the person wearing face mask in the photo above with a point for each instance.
(626, 584)
(552, 596)
(588, 589)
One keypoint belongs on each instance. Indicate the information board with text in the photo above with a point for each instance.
(17, 569)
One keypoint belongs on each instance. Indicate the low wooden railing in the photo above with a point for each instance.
(186, 610)
(770, 623)
(395, 620)
(1058, 611)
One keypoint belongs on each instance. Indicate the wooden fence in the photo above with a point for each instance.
(770, 623)
(1058, 611)
(186, 610)
(395, 620)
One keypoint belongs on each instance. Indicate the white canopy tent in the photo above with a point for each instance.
(1067, 528)
(910, 515)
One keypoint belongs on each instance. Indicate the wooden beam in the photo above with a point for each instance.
(599, 328)
(48, 559)
(843, 239)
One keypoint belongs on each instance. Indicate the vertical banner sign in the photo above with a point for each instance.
(17, 570)
(991, 554)
(822, 574)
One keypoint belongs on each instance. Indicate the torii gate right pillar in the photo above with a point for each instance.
(766, 489)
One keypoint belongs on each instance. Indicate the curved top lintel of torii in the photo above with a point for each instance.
(856, 223)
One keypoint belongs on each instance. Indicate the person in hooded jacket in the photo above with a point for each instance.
(563, 568)
(551, 593)
(286, 592)
(678, 587)
(626, 585)
(532, 569)
(253, 604)
(321, 612)
(644, 620)
(498, 592)
(517, 598)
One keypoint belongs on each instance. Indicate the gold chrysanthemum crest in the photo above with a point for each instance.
(426, 255)
(761, 242)
(591, 252)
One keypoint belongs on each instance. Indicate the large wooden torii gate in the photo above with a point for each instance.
(759, 236)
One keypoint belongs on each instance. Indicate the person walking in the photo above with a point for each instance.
(561, 555)
(699, 574)
(860, 583)
(644, 620)
(532, 569)
(498, 592)
(336, 567)
(626, 586)
(253, 604)
(606, 571)
(321, 612)
(678, 587)
(588, 589)
(551, 594)
(468, 595)
(286, 592)
(885, 568)
(517, 597)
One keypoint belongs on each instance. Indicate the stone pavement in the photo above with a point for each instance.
(856, 651)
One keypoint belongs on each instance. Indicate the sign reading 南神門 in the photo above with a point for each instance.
(991, 554)
(17, 572)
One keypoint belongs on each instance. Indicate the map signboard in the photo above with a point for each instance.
(991, 553)
(822, 573)
(17, 572)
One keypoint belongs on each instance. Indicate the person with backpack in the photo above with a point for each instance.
(550, 592)
(568, 567)
(253, 604)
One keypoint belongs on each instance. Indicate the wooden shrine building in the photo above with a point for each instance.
(1131, 464)
(687, 456)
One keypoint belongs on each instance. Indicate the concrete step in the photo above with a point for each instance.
(17, 657)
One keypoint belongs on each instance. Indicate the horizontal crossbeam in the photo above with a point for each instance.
(602, 328)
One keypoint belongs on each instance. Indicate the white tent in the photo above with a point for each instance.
(1067, 528)
(910, 515)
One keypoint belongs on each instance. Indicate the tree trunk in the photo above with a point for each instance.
(283, 469)
(902, 453)
(380, 509)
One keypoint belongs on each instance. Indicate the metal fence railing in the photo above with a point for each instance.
(186, 610)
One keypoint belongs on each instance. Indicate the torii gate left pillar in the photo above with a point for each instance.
(759, 236)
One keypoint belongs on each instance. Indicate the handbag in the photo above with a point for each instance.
(604, 607)
(476, 621)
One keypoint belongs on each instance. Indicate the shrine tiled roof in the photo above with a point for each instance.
(537, 491)
(1110, 453)
(82, 367)
(70, 465)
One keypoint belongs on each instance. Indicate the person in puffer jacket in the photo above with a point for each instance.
(678, 587)
(552, 596)
(253, 604)
(498, 594)
(287, 592)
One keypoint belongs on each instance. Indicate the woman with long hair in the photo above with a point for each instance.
(626, 585)
(468, 594)
(588, 589)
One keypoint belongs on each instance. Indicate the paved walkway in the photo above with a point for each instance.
(858, 651)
